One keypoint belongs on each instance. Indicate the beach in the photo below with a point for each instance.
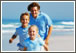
(61, 39)
(57, 42)
(61, 43)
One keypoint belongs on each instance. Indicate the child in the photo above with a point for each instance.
(22, 31)
(33, 43)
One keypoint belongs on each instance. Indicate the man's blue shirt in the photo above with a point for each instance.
(43, 21)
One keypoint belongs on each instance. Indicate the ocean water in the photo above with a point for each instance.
(60, 28)
(11, 25)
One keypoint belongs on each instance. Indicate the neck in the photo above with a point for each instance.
(35, 17)
(32, 38)
(24, 26)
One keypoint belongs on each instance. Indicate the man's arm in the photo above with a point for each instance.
(45, 47)
(13, 37)
(49, 33)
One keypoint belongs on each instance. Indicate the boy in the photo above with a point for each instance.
(22, 31)
(33, 43)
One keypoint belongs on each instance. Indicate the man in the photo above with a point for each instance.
(42, 20)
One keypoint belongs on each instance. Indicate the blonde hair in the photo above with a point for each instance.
(34, 27)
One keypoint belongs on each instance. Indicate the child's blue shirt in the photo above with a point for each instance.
(22, 33)
(33, 45)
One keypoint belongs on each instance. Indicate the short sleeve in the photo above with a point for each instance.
(16, 32)
(48, 20)
(41, 41)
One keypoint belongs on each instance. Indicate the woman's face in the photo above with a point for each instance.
(34, 11)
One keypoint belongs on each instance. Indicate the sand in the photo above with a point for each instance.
(56, 43)
(61, 43)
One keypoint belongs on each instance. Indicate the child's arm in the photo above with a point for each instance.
(25, 48)
(45, 47)
(13, 37)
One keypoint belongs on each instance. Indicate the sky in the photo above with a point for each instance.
(55, 10)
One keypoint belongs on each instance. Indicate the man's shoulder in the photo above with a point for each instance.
(43, 14)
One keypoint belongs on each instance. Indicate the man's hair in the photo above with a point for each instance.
(34, 4)
(27, 14)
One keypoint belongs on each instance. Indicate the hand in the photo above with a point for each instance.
(10, 41)
(46, 47)
(46, 41)
(25, 49)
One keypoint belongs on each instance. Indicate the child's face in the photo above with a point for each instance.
(33, 32)
(25, 20)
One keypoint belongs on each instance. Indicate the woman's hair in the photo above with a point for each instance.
(34, 26)
(27, 14)
(34, 4)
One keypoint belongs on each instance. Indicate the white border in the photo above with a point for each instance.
(37, 1)
(37, 51)
(74, 26)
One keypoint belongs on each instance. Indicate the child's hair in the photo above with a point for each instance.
(34, 4)
(34, 27)
(27, 14)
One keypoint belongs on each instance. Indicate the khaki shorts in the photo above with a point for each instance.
(20, 49)
(41, 49)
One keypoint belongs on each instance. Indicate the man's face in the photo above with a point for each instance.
(34, 11)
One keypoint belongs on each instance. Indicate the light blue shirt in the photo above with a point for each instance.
(43, 21)
(33, 45)
(23, 34)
